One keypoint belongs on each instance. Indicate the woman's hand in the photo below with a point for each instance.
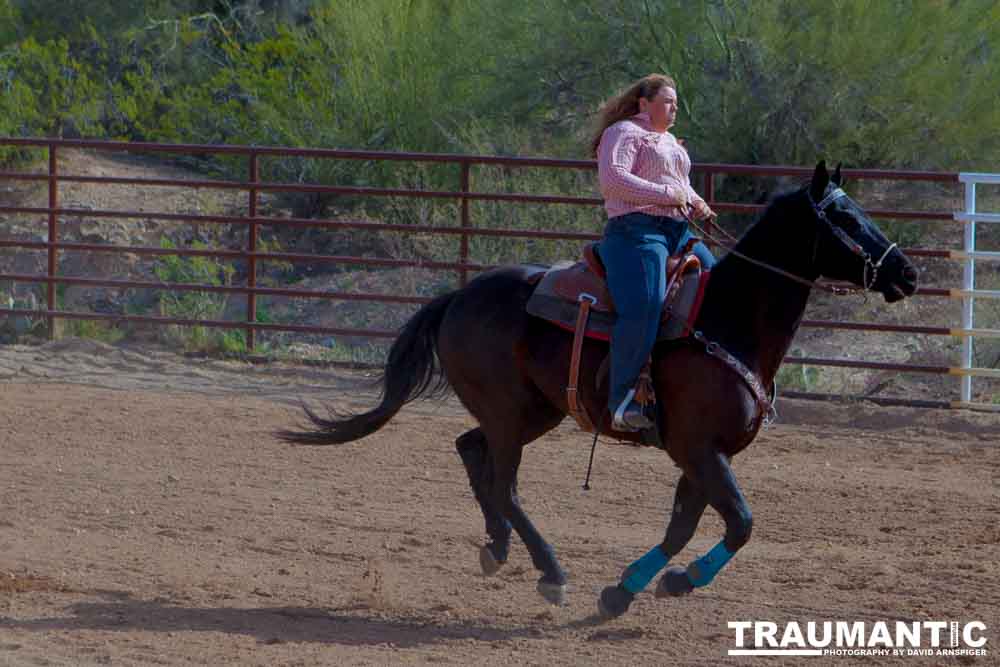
(678, 196)
(701, 211)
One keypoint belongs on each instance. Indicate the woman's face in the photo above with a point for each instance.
(662, 108)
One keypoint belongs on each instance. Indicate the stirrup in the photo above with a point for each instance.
(630, 420)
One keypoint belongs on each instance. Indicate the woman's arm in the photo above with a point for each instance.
(699, 208)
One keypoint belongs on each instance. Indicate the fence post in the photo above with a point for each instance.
(464, 251)
(709, 199)
(50, 288)
(968, 284)
(252, 249)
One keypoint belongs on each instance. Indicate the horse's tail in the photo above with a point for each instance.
(412, 370)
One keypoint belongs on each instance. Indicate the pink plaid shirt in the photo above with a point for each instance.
(641, 170)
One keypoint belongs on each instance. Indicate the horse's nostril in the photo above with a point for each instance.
(910, 274)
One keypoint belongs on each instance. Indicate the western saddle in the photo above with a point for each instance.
(575, 297)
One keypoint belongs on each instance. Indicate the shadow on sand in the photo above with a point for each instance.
(349, 626)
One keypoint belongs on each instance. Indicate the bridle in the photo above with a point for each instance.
(819, 208)
(852, 245)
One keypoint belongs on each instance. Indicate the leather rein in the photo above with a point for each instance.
(820, 209)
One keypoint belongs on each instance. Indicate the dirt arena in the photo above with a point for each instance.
(148, 517)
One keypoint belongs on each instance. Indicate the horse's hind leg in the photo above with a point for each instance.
(716, 480)
(506, 459)
(475, 455)
(689, 505)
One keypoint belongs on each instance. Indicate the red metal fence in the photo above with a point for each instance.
(464, 194)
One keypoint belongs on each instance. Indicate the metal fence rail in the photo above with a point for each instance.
(253, 255)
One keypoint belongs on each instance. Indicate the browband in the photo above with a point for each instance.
(830, 198)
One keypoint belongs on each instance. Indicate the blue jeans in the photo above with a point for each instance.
(634, 250)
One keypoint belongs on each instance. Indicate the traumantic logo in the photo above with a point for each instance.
(857, 638)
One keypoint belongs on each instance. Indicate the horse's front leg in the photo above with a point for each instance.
(715, 477)
(689, 504)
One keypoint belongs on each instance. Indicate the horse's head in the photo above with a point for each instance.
(850, 247)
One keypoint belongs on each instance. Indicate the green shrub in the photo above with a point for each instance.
(797, 377)
(49, 92)
(106, 332)
(193, 304)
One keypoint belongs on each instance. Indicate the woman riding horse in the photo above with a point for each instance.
(643, 172)
(509, 370)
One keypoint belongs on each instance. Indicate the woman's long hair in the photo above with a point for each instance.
(626, 104)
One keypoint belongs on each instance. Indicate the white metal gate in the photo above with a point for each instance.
(970, 216)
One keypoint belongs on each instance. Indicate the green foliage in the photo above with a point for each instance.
(70, 20)
(232, 342)
(193, 304)
(777, 81)
(797, 377)
(889, 83)
(48, 92)
(106, 332)
(10, 21)
(908, 83)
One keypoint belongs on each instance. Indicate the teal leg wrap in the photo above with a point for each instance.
(702, 571)
(638, 575)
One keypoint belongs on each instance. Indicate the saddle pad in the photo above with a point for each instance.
(679, 312)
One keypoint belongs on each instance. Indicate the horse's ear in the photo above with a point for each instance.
(820, 179)
(836, 178)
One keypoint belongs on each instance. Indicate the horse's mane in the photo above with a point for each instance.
(777, 207)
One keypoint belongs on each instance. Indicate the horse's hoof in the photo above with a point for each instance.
(488, 562)
(674, 583)
(554, 594)
(613, 602)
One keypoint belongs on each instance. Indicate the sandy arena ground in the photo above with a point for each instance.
(148, 517)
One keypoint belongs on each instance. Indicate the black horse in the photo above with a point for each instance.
(509, 369)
